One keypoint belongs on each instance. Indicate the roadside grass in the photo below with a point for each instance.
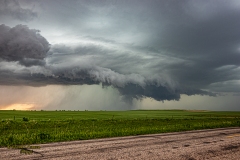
(34, 127)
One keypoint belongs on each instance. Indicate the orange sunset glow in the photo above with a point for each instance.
(19, 106)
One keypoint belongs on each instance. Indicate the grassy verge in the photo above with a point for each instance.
(27, 131)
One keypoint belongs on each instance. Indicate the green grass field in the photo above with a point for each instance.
(32, 127)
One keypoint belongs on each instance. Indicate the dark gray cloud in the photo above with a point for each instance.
(22, 44)
(130, 85)
(226, 86)
(156, 49)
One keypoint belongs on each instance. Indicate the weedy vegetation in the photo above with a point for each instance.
(19, 128)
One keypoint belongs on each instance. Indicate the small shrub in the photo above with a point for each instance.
(25, 119)
(10, 139)
(43, 136)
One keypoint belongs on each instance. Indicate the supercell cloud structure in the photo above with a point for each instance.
(29, 50)
(155, 49)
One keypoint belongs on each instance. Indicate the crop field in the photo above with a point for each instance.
(33, 127)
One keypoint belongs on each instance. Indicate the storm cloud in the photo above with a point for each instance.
(22, 44)
(155, 49)
(14, 10)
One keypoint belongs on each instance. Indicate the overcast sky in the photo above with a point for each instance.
(120, 54)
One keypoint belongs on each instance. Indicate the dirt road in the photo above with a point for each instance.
(211, 144)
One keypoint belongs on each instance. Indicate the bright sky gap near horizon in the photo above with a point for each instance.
(120, 54)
